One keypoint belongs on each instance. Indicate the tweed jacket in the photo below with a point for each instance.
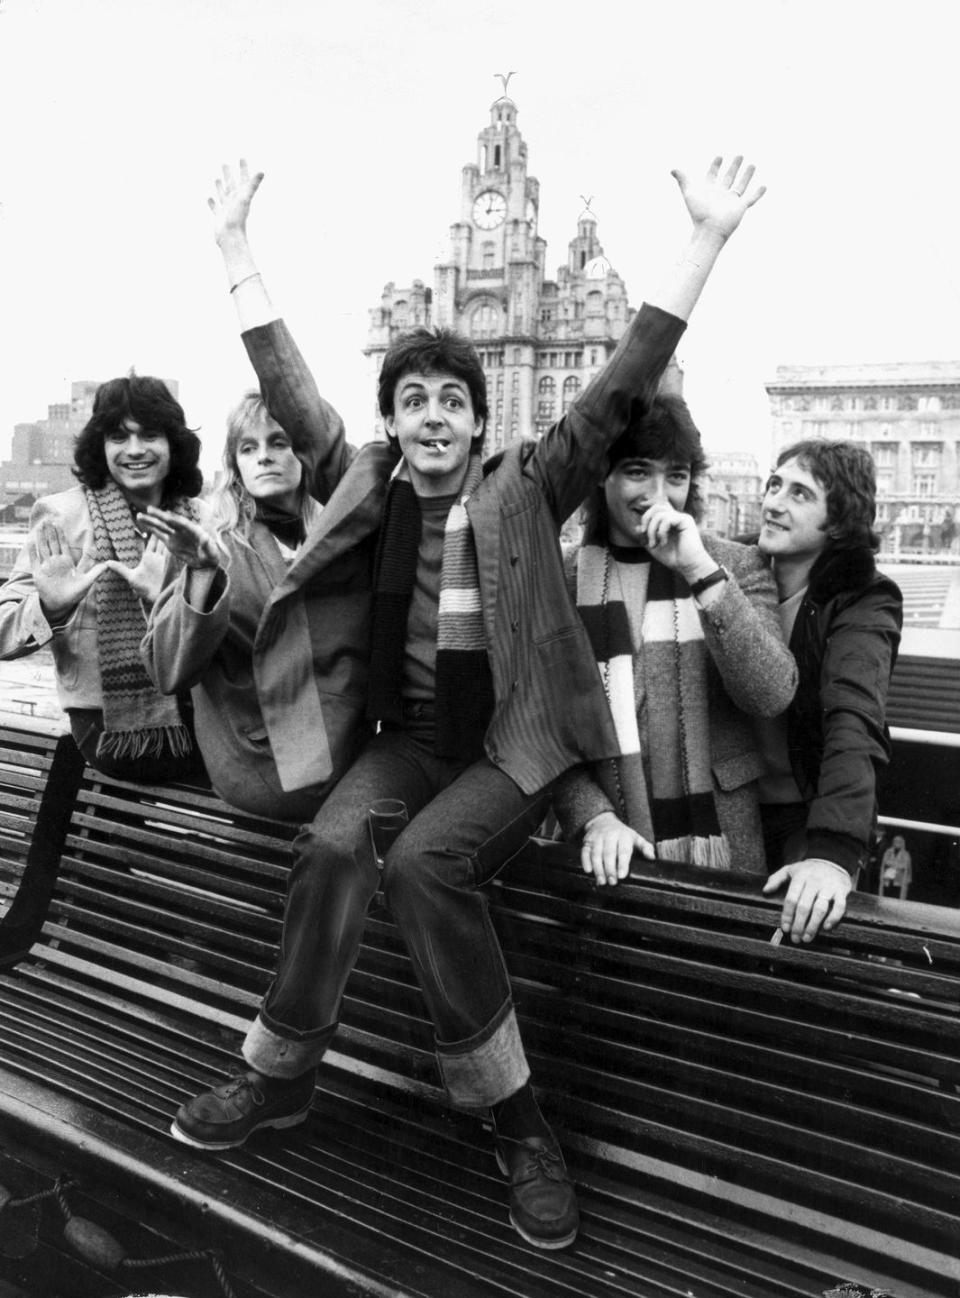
(845, 641)
(275, 653)
(24, 627)
(750, 672)
(304, 696)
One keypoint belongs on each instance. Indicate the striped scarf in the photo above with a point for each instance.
(138, 720)
(464, 685)
(649, 646)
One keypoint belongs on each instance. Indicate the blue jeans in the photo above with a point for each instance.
(467, 819)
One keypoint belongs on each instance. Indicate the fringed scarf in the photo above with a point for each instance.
(138, 720)
(464, 685)
(650, 652)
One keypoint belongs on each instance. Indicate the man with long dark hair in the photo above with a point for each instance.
(684, 628)
(82, 579)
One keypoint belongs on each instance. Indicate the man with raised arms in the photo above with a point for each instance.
(485, 688)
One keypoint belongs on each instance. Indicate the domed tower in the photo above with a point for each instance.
(538, 341)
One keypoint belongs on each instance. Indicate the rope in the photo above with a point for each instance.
(98, 1247)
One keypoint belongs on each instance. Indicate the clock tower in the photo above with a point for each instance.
(539, 340)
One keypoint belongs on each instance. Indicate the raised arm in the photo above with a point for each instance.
(288, 387)
(716, 205)
(51, 577)
(570, 458)
(231, 208)
(24, 626)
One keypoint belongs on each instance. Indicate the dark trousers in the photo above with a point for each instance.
(466, 821)
(86, 726)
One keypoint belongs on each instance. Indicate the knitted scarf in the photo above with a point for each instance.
(650, 652)
(137, 720)
(464, 685)
(284, 525)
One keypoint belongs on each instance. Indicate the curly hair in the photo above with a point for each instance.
(150, 402)
(847, 473)
(433, 351)
(664, 430)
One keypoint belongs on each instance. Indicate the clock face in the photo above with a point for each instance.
(489, 209)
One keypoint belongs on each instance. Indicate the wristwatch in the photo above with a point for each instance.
(711, 579)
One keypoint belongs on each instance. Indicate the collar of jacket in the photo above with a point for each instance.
(840, 570)
(353, 512)
(836, 571)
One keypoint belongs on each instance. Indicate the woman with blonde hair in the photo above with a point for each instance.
(241, 624)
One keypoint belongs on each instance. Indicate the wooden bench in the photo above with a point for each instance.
(742, 1118)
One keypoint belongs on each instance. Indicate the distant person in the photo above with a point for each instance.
(685, 630)
(842, 620)
(87, 574)
(948, 531)
(896, 868)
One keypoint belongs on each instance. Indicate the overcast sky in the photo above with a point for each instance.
(118, 113)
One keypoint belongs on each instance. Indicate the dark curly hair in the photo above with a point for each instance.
(664, 430)
(433, 351)
(151, 403)
(846, 472)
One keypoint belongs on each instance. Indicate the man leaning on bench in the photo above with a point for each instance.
(399, 623)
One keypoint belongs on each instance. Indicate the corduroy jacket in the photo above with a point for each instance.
(549, 710)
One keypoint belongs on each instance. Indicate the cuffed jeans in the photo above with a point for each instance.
(466, 821)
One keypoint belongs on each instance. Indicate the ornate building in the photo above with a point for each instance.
(907, 414)
(737, 474)
(539, 340)
(41, 454)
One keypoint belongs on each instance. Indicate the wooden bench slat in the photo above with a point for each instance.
(218, 896)
(162, 804)
(664, 1032)
(136, 839)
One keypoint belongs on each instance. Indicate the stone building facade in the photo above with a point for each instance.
(907, 414)
(540, 340)
(734, 476)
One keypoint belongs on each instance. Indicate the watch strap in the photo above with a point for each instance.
(711, 579)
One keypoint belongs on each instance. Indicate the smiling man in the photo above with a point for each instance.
(685, 633)
(842, 620)
(82, 579)
(484, 688)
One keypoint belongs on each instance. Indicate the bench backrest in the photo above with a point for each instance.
(666, 1034)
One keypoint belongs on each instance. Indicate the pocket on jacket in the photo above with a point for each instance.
(733, 772)
(570, 670)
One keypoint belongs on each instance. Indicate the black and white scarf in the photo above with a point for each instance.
(650, 651)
